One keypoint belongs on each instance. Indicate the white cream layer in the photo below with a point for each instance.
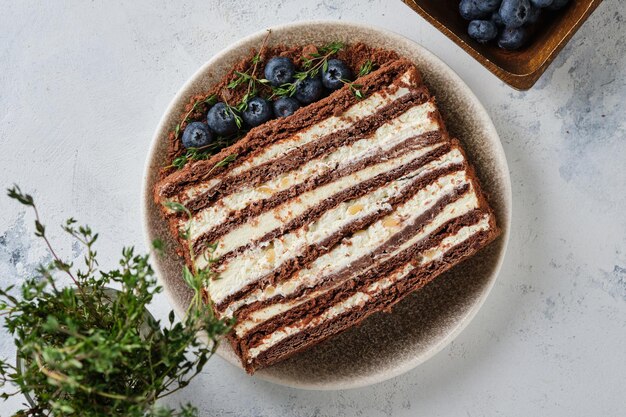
(325, 265)
(235, 277)
(360, 110)
(361, 298)
(311, 276)
(413, 122)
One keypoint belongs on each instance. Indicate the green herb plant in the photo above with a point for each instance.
(88, 353)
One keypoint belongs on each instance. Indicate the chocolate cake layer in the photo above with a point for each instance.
(330, 215)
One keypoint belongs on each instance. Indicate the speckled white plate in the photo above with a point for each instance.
(385, 345)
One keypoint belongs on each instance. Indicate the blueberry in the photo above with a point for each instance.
(514, 13)
(558, 4)
(533, 15)
(541, 3)
(482, 30)
(309, 89)
(279, 70)
(512, 38)
(221, 119)
(285, 106)
(337, 70)
(469, 10)
(257, 112)
(487, 6)
(495, 18)
(197, 135)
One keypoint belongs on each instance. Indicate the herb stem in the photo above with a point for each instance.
(256, 60)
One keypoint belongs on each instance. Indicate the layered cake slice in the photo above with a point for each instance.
(329, 215)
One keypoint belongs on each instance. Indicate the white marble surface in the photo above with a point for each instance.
(83, 85)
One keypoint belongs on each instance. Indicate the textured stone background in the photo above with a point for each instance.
(83, 85)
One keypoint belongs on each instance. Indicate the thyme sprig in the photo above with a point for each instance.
(356, 90)
(210, 100)
(312, 64)
(205, 152)
(249, 76)
(86, 352)
(366, 68)
(315, 61)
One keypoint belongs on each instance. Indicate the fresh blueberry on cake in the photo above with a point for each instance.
(279, 71)
(285, 106)
(222, 120)
(257, 112)
(330, 214)
(197, 135)
(309, 89)
(336, 74)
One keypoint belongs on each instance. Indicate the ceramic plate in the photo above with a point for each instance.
(386, 344)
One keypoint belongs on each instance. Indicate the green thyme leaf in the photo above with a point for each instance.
(180, 161)
(40, 229)
(226, 161)
(331, 48)
(17, 194)
(366, 68)
(177, 207)
(159, 246)
(238, 120)
(189, 278)
(211, 100)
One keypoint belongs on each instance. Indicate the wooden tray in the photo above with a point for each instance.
(519, 69)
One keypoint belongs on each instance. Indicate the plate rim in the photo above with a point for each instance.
(407, 365)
